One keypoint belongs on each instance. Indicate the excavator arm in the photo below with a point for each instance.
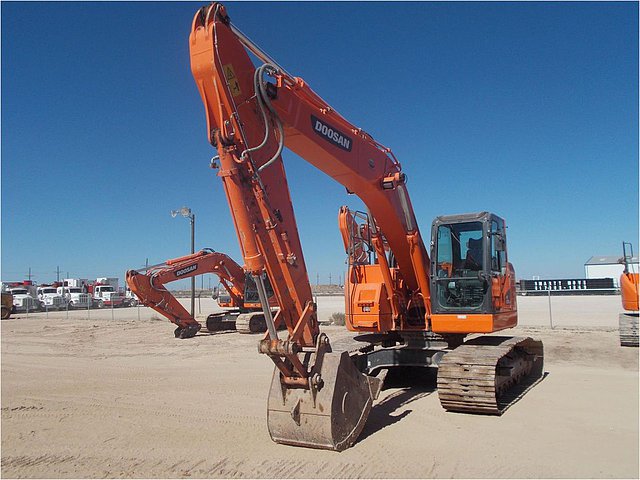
(149, 287)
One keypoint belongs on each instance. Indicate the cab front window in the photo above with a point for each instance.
(459, 264)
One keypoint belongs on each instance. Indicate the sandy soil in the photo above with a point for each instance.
(122, 398)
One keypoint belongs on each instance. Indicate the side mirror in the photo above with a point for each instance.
(214, 293)
(499, 241)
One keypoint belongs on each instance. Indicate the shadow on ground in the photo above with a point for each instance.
(414, 383)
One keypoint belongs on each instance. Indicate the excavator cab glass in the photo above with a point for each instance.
(222, 295)
(251, 290)
(466, 251)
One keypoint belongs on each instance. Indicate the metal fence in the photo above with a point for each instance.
(66, 308)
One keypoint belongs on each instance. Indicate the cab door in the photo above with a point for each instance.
(503, 294)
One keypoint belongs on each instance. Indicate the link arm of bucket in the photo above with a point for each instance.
(279, 350)
(276, 348)
(266, 308)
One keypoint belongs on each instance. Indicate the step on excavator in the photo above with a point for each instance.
(628, 321)
(408, 308)
(244, 313)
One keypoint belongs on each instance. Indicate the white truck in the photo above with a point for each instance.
(75, 296)
(50, 298)
(76, 282)
(23, 301)
(105, 293)
(130, 298)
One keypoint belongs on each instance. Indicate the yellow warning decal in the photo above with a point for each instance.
(232, 81)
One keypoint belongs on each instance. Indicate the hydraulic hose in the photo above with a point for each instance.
(263, 100)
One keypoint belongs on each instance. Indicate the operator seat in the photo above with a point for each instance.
(474, 254)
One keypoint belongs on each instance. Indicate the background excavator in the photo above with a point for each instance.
(244, 311)
(410, 310)
(628, 321)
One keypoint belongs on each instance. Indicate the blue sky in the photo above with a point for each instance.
(529, 110)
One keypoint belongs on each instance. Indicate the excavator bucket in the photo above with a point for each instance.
(330, 417)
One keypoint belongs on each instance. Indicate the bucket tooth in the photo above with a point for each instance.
(335, 418)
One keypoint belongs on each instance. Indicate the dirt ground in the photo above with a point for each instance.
(121, 397)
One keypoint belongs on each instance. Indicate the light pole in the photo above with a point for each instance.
(187, 213)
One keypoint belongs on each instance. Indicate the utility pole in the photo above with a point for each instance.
(58, 274)
(29, 273)
(187, 213)
(317, 279)
(192, 219)
(329, 279)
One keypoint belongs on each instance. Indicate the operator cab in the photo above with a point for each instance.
(468, 256)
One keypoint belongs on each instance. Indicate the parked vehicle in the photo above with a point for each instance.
(50, 297)
(23, 301)
(76, 282)
(113, 281)
(131, 299)
(75, 297)
(105, 295)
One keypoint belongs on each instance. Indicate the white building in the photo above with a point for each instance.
(607, 266)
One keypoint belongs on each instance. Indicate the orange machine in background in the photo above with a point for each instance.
(628, 321)
(243, 313)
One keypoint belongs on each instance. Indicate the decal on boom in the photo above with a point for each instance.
(331, 134)
(185, 270)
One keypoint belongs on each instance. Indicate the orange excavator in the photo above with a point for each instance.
(245, 315)
(408, 308)
(628, 321)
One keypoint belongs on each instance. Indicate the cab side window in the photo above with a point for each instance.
(498, 257)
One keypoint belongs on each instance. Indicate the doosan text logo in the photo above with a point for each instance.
(185, 270)
(331, 134)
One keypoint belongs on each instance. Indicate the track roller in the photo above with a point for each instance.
(628, 323)
(488, 374)
(217, 322)
(252, 322)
